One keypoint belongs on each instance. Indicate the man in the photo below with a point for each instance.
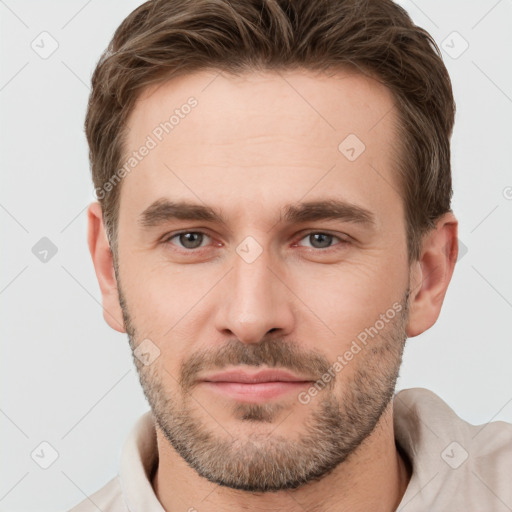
(273, 222)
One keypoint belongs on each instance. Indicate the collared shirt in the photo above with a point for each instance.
(456, 466)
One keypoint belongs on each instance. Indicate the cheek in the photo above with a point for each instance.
(160, 294)
(349, 298)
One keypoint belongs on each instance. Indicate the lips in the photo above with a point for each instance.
(256, 387)
(243, 377)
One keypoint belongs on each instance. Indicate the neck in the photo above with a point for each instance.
(374, 477)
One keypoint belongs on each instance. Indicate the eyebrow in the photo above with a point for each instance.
(164, 210)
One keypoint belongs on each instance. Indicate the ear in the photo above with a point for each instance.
(104, 267)
(431, 274)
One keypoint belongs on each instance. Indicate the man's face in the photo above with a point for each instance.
(273, 285)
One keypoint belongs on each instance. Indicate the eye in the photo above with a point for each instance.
(191, 240)
(321, 240)
(188, 239)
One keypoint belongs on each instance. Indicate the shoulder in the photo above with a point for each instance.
(455, 464)
(107, 499)
(421, 409)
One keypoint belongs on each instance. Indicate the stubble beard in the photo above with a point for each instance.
(268, 462)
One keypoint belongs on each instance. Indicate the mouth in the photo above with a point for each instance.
(255, 387)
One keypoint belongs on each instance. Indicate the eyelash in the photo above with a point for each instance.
(342, 241)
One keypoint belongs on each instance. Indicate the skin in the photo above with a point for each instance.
(253, 144)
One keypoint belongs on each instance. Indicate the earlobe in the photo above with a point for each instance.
(104, 267)
(431, 275)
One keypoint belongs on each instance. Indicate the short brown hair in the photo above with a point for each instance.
(163, 39)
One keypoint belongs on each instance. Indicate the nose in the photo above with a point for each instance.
(254, 301)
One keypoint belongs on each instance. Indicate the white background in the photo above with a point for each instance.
(68, 379)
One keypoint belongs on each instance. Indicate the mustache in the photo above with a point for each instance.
(272, 353)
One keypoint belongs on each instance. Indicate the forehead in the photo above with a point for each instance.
(337, 102)
(211, 135)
